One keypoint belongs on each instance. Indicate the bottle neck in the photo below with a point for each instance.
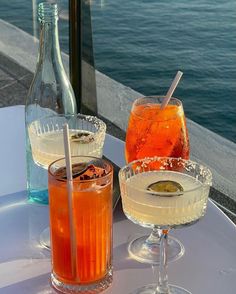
(49, 50)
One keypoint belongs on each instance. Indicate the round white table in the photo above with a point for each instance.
(207, 267)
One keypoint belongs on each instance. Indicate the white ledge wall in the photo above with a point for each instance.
(114, 103)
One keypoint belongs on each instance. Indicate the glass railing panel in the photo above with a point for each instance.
(143, 43)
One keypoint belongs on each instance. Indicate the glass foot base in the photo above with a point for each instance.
(152, 289)
(95, 287)
(146, 252)
(44, 239)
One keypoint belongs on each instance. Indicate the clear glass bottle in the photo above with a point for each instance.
(50, 93)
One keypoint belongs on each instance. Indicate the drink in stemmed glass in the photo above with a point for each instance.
(164, 193)
(153, 131)
(87, 135)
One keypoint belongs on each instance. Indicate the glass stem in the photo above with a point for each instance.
(162, 286)
(154, 237)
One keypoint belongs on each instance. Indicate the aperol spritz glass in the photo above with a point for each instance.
(153, 131)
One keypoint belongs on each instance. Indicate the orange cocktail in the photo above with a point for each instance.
(153, 131)
(92, 218)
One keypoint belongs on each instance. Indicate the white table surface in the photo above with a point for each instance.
(207, 267)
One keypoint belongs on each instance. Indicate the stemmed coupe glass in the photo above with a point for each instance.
(153, 131)
(87, 135)
(164, 193)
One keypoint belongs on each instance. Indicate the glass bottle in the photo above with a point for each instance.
(50, 93)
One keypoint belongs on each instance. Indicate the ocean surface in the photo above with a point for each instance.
(143, 43)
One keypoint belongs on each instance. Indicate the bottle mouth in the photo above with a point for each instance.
(47, 12)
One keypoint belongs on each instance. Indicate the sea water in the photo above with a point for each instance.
(142, 44)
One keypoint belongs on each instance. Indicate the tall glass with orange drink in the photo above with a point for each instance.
(88, 268)
(153, 131)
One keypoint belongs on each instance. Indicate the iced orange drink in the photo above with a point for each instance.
(92, 218)
(153, 131)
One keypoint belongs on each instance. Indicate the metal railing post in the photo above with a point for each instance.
(75, 48)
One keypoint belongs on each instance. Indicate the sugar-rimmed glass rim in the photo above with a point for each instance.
(101, 126)
(205, 169)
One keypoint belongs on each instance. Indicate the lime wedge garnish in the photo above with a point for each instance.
(166, 186)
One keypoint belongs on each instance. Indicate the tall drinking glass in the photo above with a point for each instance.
(82, 263)
(164, 193)
(153, 131)
(87, 135)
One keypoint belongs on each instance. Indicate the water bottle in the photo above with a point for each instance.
(50, 93)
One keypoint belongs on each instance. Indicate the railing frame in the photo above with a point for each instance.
(75, 48)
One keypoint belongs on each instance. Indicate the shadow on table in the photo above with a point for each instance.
(121, 257)
(37, 285)
(21, 224)
(122, 260)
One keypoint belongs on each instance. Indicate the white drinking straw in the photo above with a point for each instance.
(70, 198)
(171, 89)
